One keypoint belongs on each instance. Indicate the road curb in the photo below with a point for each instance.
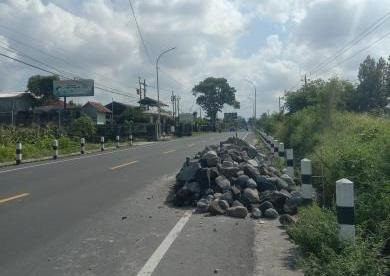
(46, 158)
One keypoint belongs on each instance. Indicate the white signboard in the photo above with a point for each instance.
(73, 88)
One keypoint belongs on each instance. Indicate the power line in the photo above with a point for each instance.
(378, 23)
(53, 73)
(360, 51)
(57, 57)
(140, 33)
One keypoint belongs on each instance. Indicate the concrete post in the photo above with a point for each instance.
(131, 139)
(281, 151)
(276, 148)
(345, 209)
(306, 176)
(18, 153)
(290, 162)
(55, 149)
(117, 141)
(102, 143)
(82, 145)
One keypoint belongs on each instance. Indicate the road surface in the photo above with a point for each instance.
(105, 214)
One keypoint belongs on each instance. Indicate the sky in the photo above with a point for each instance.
(271, 43)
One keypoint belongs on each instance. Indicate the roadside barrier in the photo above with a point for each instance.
(345, 209)
(290, 162)
(281, 151)
(18, 153)
(82, 145)
(276, 148)
(306, 177)
(102, 143)
(55, 149)
(344, 187)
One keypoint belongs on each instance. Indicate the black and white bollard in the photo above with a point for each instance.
(345, 209)
(102, 143)
(281, 151)
(290, 162)
(306, 177)
(82, 145)
(131, 139)
(18, 153)
(55, 149)
(276, 148)
(117, 141)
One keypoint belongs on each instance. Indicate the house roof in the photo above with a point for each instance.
(109, 105)
(98, 106)
(5, 95)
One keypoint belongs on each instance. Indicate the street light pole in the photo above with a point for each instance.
(254, 87)
(158, 90)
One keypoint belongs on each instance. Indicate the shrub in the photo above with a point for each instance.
(83, 127)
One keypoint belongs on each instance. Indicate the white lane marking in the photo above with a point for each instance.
(246, 135)
(157, 255)
(91, 155)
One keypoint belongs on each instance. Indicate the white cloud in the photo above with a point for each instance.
(100, 36)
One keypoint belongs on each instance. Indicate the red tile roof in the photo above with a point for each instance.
(99, 107)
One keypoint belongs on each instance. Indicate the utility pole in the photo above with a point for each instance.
(112, 113)
(200, 112)
(178, 98)
(144, 88)
(279, 105)
(173, 101)
(140, 88)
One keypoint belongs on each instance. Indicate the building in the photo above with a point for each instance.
(117, 108)
(12, 103)
(97, 112)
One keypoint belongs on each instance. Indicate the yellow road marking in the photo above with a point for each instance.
(123, 165)
(169, 151)
(4, 200)
(191, 145)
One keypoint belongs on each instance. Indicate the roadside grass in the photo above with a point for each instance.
(348, 145)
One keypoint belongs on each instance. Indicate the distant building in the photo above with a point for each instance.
(16, 101)
(117, 108)
(97, 112)
(12, 103)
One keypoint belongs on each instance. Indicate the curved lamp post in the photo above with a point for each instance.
(158, 89)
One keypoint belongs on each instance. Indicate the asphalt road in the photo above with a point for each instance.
(104, 214)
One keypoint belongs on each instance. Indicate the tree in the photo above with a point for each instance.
(213, 94)
(83, 127)
(371, 91)
(42, 86)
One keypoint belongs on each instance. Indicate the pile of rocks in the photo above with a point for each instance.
(235, 179)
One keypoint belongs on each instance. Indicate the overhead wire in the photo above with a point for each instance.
(377, 24)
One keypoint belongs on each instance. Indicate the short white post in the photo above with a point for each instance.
(281, 151)
(82, 145)
(102, 143)
(276, 148)
(117, 141)
(290, 162)
(131, 139)
(306, 177)
(18, 153)
(55, 149)
(345, 209)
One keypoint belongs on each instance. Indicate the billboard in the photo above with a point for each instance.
(73, 88)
